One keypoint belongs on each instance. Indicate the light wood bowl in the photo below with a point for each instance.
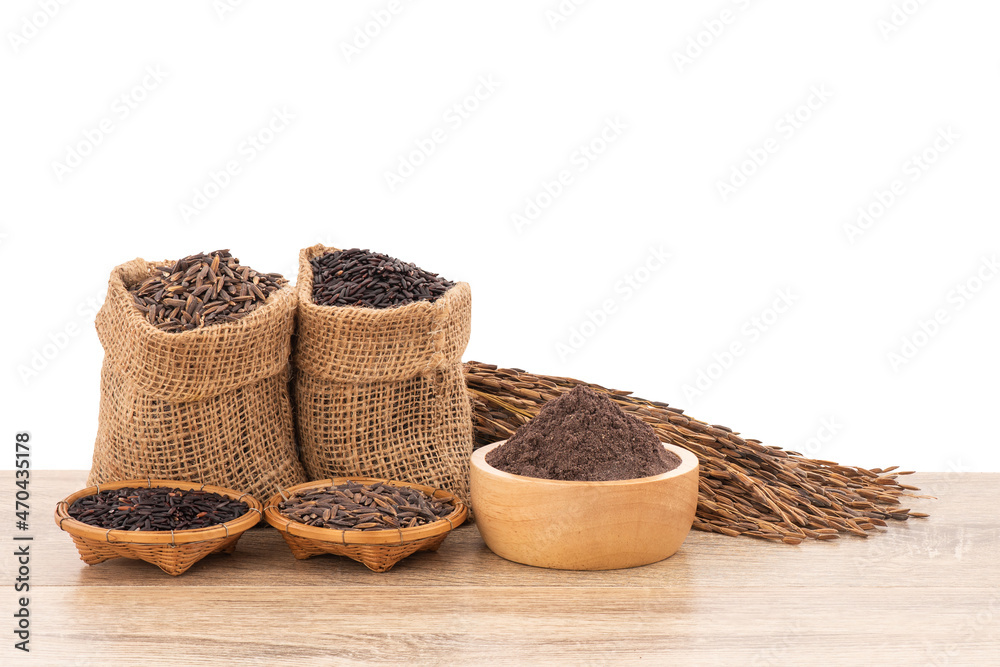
(584, 525)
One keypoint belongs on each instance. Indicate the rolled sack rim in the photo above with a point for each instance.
(304, 286)
(321, 334)
(186, 347)
(322, 329)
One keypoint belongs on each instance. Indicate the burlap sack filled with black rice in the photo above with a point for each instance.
(208, 405)
(380, 392)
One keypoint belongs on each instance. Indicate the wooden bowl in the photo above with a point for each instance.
(378, 550)
(584, 525)
(173, 551)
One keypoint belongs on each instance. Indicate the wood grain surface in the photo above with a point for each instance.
(924, 592)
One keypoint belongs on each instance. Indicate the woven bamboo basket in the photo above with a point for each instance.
(172, 551)
(378, 550)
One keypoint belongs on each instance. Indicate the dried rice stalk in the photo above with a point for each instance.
(746, 488)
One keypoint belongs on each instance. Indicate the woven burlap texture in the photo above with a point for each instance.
(209, 405)
(380, 392)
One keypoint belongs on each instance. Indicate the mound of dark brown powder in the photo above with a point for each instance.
(583, 436)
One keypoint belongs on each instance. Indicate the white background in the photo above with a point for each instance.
(818, 377)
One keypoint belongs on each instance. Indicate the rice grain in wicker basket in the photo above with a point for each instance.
(378, 550)
(174, 552)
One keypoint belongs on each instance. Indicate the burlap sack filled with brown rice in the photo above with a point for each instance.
(380, 392)
(208, 405)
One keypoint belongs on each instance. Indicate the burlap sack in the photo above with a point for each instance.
(209, 405)
(380, 392)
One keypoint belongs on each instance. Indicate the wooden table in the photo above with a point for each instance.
(927, 591)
